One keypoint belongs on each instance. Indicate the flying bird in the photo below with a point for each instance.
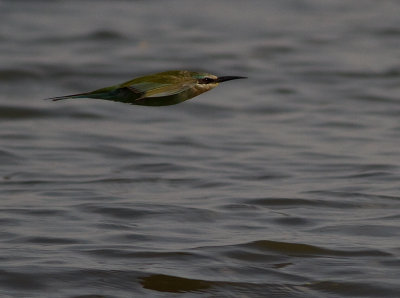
(160, 89)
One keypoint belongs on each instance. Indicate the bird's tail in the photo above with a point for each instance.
(79, 95)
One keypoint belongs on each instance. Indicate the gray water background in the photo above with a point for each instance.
(282, 185)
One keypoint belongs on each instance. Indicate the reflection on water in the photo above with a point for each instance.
(285, 185)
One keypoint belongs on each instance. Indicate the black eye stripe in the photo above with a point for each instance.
(206, 81)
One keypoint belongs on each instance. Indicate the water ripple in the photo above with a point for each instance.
(282, 185)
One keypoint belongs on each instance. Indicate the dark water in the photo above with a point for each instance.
(282, 185)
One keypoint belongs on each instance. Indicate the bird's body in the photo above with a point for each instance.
(161, 89)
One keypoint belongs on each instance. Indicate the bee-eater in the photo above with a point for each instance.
(160, 89)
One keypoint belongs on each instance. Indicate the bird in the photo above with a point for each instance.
(160, 89)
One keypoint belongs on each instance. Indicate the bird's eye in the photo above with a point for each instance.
(206, 80)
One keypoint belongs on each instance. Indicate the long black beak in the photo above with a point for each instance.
(228, 78)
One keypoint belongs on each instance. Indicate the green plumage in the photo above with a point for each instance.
(161, 89)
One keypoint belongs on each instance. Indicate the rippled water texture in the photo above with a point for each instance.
(282, 185)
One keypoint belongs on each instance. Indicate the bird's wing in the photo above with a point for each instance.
(166, 90)
(158, 87)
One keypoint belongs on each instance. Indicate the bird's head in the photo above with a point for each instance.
(208, 81)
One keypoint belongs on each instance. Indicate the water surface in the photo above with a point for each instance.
(282, 185)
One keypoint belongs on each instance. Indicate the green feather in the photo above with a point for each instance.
(165, 88)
